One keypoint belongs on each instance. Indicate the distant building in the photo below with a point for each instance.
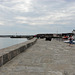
(73, 31)
(54, 35)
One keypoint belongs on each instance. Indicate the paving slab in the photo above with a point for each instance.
(43, 58)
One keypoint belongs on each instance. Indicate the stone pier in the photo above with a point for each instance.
(43, 58)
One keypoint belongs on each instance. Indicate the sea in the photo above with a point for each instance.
(6, 42)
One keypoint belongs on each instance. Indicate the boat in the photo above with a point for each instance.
(67, 41)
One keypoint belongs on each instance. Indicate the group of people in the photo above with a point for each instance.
(70, 38)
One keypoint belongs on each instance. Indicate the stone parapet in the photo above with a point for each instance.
(9, 53)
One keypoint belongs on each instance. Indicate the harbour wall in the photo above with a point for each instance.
(9, 53)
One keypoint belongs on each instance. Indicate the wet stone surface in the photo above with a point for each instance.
(43, 58)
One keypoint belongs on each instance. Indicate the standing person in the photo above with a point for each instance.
(70, 40)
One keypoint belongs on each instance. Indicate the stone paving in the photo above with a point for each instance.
(43, 58)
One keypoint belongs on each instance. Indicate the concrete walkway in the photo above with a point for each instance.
(43, 58)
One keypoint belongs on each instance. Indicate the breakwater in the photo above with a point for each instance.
(43, 58)
(9, 53)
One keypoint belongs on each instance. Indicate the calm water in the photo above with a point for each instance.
(6, 42)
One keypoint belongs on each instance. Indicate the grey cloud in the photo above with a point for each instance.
(43, 14)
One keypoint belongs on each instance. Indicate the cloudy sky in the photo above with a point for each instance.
(36, 16)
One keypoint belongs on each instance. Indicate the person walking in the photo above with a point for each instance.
(70, 40)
